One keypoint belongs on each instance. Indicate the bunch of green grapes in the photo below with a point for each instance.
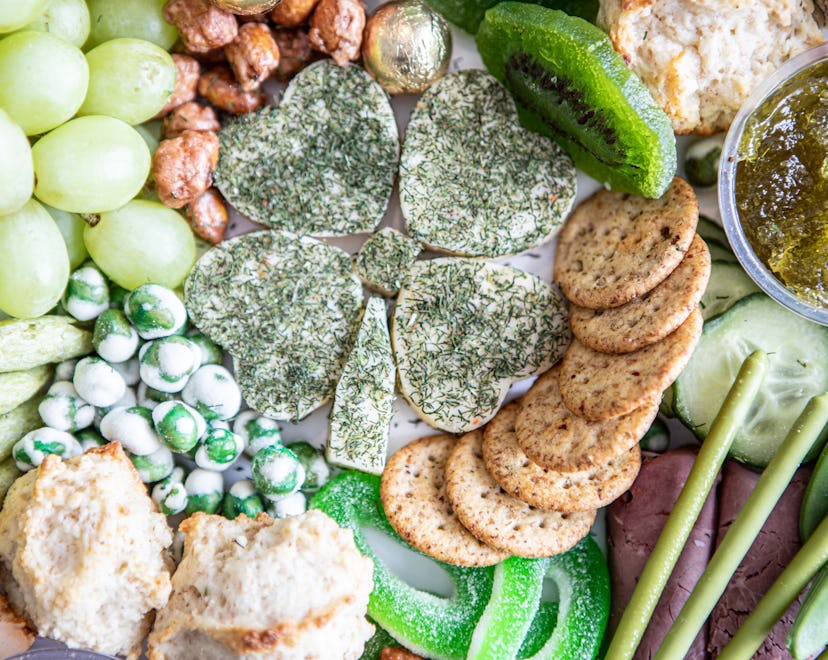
(78, 78)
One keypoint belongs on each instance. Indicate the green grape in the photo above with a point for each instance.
(67, 19)
(43, 80)
(71, 228)
(90, 164)
(151, 132)
(142, 242)
(16, 169)
(141, 19)
(130, 79)
(34, 266)
(14, 14)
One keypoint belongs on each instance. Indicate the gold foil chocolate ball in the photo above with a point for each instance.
(406, 46)
(245, 7)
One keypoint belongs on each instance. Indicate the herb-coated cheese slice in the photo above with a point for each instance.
(464, 330)
(322, 163)
(473, 182)
(383, 261)
(287, 308)
(361, 412)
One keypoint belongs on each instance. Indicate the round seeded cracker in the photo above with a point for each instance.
(473, 182)
(584, 490)
(414, 499)
(554, 438)
(651, 317)
(617, 246)
(322, 163)
(599, 386)
(497, 518)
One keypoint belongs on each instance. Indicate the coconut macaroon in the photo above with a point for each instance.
(701, 60)
(83, 552)
(266, 589)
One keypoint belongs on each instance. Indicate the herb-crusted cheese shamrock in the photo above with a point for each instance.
(464, 330)
(383, 261)
(322, 163)
(361, 412)
(286, 308)
(473, 182)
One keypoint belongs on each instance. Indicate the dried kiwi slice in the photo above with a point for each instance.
(468, 13)
(571, 85)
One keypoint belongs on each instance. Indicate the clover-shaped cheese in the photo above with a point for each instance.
(464, 330)
(473, 182)
(322, 163)
(286, 308)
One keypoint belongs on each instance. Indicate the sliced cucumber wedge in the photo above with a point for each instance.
(710, 230)
(728, 284)
(798, 352)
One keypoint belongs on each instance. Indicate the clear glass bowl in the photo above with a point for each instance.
(754, 267)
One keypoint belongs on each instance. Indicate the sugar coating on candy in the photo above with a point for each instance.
(473, 182)
(426, 624)
(322, 163)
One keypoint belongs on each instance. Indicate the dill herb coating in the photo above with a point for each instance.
(473, 182)
(322, 163)
(286, 308)
(383, 261)
(464, 330)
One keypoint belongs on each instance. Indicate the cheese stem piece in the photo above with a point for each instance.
(687, 508)
(810, 558)
(807, 430)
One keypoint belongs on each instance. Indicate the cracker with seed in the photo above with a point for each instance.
(546, 489)
(648, 318)
(554, 438)
(497, 518)
(617, 246)
(414, 498)
(473, 181)
(599, 386)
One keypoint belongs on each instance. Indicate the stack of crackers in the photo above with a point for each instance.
(530, 482)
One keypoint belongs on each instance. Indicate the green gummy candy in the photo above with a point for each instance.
(374, 646)
(468, 13)
(428, 625)
(571, 85)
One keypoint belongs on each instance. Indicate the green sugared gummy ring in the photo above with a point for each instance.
(429, 625)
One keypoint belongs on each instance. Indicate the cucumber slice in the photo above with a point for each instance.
(798, 353)
(809, 633)
(728, 284)
(666, 406)
(815, 501)
(710, 230)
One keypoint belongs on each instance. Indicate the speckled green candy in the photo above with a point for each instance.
(322, 163)
(571, 85)
(429, 625)
(473, 181)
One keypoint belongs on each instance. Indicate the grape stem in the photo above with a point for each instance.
(679, 524)
(806, 431)
(810, 558)
(91, 219)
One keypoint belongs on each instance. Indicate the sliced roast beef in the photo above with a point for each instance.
(634, 523)
(776, 545)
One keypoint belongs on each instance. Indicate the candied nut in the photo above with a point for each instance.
(253, 55)
(252, 18)
(183, 167)
(220, 88)
(210, 57)
(208, 216)
(201, 24)
(291, 13)
(397, 653)
(191, 116)
(187, 71)
(294, 52)
(336, 29)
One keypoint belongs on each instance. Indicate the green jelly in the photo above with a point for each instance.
(469, 13)
(571, 85)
